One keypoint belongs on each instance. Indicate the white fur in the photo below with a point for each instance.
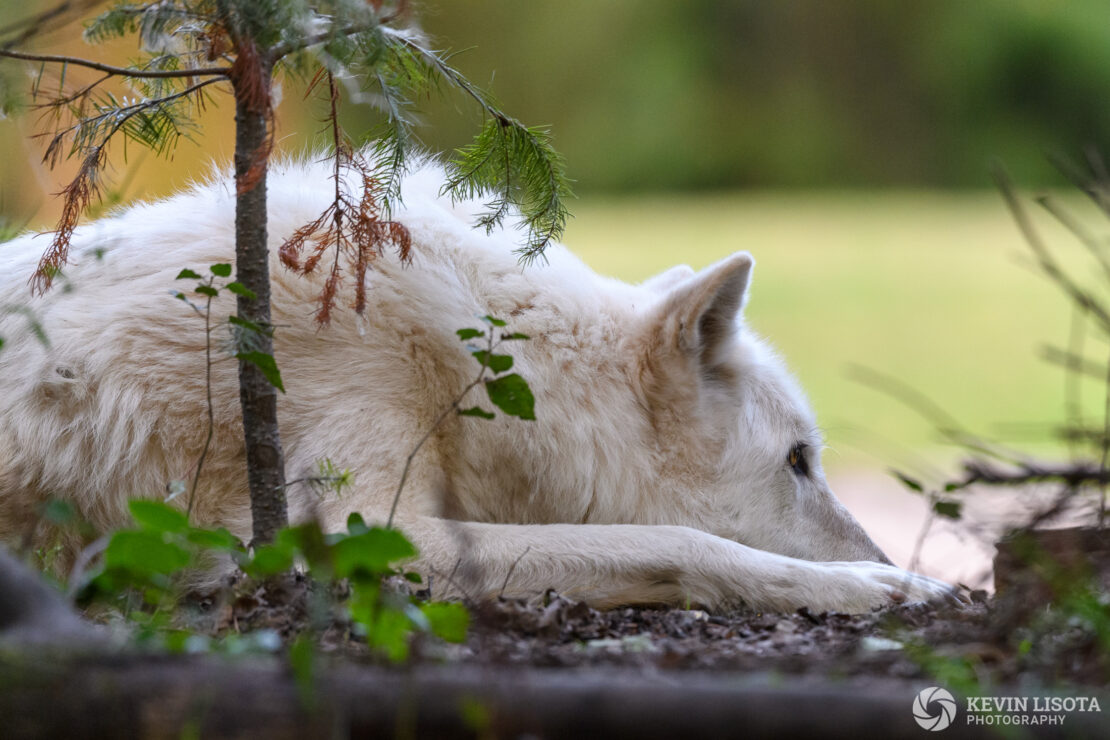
(660, 445)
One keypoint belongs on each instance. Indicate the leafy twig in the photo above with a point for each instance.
(510, 393)
(208, 395)
(484, 366)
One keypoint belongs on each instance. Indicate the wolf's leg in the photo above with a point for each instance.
(608, 565)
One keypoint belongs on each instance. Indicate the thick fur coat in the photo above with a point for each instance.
(673, 459)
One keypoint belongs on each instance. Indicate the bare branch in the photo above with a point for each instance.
(1073, 362)
(942, 421)
(1097, 250)
(37, 24)
(1047, 263)
(1074, 474)
(119, 71)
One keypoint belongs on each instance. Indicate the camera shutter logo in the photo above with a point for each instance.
(934, 708)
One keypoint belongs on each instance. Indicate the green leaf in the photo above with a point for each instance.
(389, 631)
(310, 541)
(207, 290)
(270, 559)
(448, 621)
(950, 509)
(375, 551)
(221, 269)
(514, 335)
(214, 539)
(476, 717)
(59, 512)
(302, 659)
(363, 602)
(247, 324)
(266, 364)
(158, 516)
(239, 289)
(511, 394)
(908, 482)
(492, 321)
(144, 552)
(476, 411)
(174, 640)
(187, 274)
(465, 334)
(356, 524)
(496, 363)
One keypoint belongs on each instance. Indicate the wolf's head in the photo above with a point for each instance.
(735, 440)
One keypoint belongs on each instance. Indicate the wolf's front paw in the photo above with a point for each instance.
(857, 587)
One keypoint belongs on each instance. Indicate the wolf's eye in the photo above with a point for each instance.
(797, 459)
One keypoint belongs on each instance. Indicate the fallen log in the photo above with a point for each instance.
(211, 698)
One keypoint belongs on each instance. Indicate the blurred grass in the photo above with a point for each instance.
(932, 288)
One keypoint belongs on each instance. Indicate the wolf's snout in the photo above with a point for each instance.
(861, 543)
(846, 538)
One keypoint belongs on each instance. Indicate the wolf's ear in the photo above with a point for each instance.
(700, 313)
(667, 279)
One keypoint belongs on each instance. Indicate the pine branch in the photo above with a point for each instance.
(118, 71)
(521, 167)
(354, 29)
(150, 20)
(74, 96)
(118, 116)
(78, 195)
(451, 74)
(286, 48)
(516, 161)
(358, 229)
(391, 150)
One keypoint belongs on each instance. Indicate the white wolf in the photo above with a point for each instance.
(673, 459)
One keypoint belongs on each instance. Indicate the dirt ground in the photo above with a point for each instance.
(991, 639)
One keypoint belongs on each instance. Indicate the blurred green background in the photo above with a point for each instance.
(846, 144)
(649, 95)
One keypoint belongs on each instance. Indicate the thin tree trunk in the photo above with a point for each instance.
(265, 460)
